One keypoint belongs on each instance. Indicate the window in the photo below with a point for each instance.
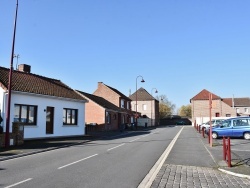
(128, 105)
(108, 118)
(122, 103)
(136, 107)
(70, 116)
(217, 114)
(246, 110)
(228, 115)
(237, 110)
(26, 114)
(241, 122)
(144, 107)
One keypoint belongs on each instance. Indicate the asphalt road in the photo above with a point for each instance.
(116, 162)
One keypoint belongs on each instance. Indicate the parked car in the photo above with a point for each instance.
(233, 127)
(213, 121)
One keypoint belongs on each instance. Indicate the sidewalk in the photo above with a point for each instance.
(193, 163)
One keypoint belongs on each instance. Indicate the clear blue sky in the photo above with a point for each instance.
(179, 46)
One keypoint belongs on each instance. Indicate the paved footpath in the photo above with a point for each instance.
(190, 164)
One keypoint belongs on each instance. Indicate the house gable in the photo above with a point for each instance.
(204, 95)
(112, 95)
(142, 95)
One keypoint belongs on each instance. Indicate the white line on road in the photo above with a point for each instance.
(77, 161)
(143, 136)
(148, 180)
(18, 183)
(115, 147)
(134, 139)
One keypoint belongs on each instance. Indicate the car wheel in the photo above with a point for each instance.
(214, 135)
(247, 136)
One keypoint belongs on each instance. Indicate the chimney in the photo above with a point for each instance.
(24, 68)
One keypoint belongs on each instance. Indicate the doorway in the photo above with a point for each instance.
(49, 120)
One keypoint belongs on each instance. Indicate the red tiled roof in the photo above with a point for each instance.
(100, 101)
(103, 102)
(204, 95)
(32, 83)
(118, 92)
(228, 101)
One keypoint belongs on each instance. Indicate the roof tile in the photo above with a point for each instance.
(32, 83)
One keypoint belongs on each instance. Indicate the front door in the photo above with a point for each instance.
(49, 120)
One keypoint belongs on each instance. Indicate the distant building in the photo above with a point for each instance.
(147, 105)
(221, 107)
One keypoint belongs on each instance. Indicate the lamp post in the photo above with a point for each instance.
(7, 140)
(152, 105)
(136, 115)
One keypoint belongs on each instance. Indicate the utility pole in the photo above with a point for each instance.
(7, 132)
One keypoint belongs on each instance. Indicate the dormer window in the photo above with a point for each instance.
(122, 103)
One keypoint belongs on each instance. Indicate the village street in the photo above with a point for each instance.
(116, 162)
(167, 156)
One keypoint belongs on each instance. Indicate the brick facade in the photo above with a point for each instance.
(107, 93)
(220, 107)
(104, 108)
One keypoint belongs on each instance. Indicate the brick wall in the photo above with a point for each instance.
(94, 113)
(200, 108)
(108, 94)
(97, 114)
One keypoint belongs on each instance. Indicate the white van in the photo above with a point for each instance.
(214, 122)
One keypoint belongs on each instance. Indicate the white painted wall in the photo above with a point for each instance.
(2, 105)
(39, 130)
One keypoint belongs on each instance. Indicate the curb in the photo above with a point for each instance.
(234, 174)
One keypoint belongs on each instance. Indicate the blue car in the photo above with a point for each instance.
(233, 127)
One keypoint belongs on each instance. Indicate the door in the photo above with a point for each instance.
(49, 120)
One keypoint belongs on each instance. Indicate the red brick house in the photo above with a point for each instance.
(118, 109)
(221, 107)
(101, 113)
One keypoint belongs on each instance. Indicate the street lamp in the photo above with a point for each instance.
(7, 140)
(136, 115)
(151, 104)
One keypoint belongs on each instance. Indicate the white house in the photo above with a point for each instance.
(47, 107)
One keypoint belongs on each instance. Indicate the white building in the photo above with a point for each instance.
(47, 107)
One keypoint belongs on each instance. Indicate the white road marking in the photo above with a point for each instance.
(115, 147)
(135, 139)
(143, 136)
(148, 180)
(18, 183)
(77, 161)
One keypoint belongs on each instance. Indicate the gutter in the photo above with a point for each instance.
(49, 96)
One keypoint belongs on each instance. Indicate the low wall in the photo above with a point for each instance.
(16, 137)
